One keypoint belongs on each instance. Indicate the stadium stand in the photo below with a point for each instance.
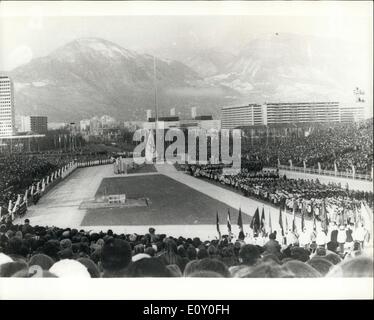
(37, 251)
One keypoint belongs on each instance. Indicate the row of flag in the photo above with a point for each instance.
(260, 225)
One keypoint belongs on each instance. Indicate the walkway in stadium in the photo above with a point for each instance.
(60, 206)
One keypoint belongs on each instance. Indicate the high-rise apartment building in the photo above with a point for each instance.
(279, 114)
(7, 119)
(34, 124)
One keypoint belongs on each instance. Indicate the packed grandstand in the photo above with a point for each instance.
(341, 247)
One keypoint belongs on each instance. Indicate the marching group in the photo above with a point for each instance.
(302, 196)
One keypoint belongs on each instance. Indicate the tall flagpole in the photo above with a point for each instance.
(155, 87)
(156, 105)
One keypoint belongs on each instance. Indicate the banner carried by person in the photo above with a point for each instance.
(262, 221)
(255, 222)
(217, 226)
(270, 226)
(240, 220)
(228, 221)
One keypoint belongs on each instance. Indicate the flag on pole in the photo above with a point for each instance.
(255, 222)
(262, 221)
(281, 221)
(240, 220)
(32, 190)
(270, 226)
(43, 185)
(302, 217)
(217, 225)
(228, 221)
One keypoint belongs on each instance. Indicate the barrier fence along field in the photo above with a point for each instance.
(339, 174)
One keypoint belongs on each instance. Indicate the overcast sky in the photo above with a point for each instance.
(43, 26)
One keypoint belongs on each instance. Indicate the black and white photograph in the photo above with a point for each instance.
(210, 141)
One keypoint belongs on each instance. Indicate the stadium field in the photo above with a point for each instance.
(171, 203)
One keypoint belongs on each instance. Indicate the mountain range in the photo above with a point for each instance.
(92, 76)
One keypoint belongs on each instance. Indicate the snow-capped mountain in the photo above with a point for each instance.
(93, 76)
(90, 76)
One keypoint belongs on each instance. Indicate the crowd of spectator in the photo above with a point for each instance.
(38, 251)
(20, 171)
(344, 144)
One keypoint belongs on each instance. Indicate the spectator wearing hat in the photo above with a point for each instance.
(115, 257)
(9, 268)
(91, 267)
(212, 265)
(26, 228)
(267, 270)
(353, 268)
(41, 260)
(170, 254)
(301, 270)
(272, 246)
(322, 265)
(69, 268)
(146, 268)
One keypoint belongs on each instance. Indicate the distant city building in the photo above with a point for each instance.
(7, 118)
(84, 125)
(35, 124)
(237, 116)
(270, 114)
